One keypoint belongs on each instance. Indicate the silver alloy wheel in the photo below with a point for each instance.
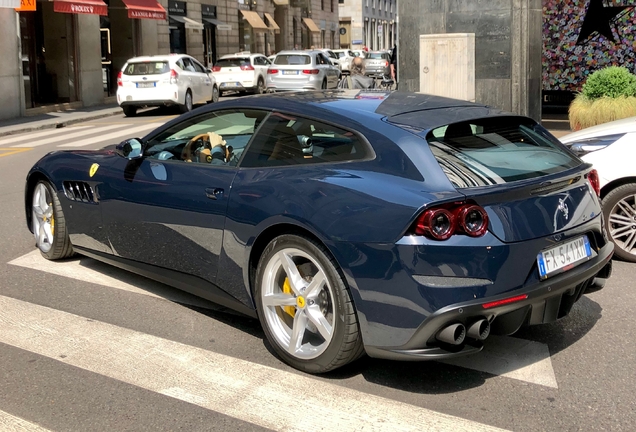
(42, 219)
(260, 86)
(215, 94)
(622, 224)
(307, 332)
(188, 101)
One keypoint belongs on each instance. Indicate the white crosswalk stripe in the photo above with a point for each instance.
(46, 133)
(84, 132)
(237, 388)
(11, 423)
(128, 133)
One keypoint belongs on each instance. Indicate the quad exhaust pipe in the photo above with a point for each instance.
(455, 334)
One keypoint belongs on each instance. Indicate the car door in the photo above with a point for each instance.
(323, 65)
(205, 80)
(167, 208)
(261, 64)
(193, 78)
(330, 71)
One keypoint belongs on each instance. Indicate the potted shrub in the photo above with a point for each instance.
(608, 94)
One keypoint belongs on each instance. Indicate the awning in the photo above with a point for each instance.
(189, 23)
(281, 2)
(213, 21)
(311, 25)
(9, 4)
(145, 9)
(254, 20)
(90, 7)
(272, 24)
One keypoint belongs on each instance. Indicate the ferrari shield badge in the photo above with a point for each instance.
(93, 169)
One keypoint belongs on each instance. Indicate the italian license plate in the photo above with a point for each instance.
(288, 72)
(564, 256)
(146, 84)
(230, 84)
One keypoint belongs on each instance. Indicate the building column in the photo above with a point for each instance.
(89, 64)
(11, 88)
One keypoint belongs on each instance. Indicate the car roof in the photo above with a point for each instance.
(242, 54)
(416, 112)
(163, 57)
(627, 125)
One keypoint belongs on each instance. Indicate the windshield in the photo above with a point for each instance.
(147, 68)
(233, 62)
(497, 150)
(378, 56)
(292, 59)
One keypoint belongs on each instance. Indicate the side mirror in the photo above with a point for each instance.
(130, 149)
(208, 70)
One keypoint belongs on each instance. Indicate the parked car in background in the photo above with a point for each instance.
(241, 72)
(165, 80)
(403, 225)
(611, 149)
(332, 56)
(377, 64)
(302, 70)
(345, 56)
(359, 53)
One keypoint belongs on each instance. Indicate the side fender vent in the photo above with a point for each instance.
(80, 191)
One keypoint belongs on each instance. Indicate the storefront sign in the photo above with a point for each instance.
(224, 27)
(26, 6)
(92, 7)
(142, 14)
(244, 4)
(208, 11)
(177, 8)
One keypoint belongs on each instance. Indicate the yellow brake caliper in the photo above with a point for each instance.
(52, 224)
(290, 310)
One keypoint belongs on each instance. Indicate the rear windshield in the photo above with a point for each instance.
(497, 150)
(233, 62)
(147, 68)
(378, 56)
(292, 59)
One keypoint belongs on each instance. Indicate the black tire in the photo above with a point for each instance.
(215, 95)
(627, 194)
(260, 86)
(346, 341)
(220, 93)
(129, 110)
(61, 246)
(188, 104)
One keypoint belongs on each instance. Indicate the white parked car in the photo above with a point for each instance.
(241, 72)
(332, 56)
(611, 149)
(302, 70)
(345, 56)
(166, 80)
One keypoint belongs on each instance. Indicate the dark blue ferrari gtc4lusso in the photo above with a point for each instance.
(400, 225)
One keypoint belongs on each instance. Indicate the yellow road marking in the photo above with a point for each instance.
(11, 151)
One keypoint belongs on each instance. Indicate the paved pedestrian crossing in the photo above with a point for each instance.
(82, 136)
(260, 395)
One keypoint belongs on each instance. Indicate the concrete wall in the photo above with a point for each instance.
(91, 90)
(11, 91)
(508, 46)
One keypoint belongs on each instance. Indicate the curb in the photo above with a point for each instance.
(59, 123)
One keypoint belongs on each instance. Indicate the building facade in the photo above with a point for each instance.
(368, 23)
(67, 53)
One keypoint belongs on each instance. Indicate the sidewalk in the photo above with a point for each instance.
(56, 119)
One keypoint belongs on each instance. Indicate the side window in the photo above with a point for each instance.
(198, 66)
(180, 64)
(288, 140)
(216, 138)
(259, 61)
(188, 65)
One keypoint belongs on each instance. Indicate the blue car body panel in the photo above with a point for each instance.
(159, 213)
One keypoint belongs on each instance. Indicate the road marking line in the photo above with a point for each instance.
(82, 133)
(237, 388)
(46, 133)
(12, 151)
(129, 133)
(515, 358)
(11, 423)
(94, 272)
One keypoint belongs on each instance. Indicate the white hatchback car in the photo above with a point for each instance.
(611, 149)
(241, 72)
(346, 56)
(175, 79)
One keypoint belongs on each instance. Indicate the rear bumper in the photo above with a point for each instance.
(167, 95)
(546, 302)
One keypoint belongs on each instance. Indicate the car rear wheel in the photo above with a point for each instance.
(48, 223)
(305, 307)
(260, 87)
(129, 110)
(619, 209)
(187, 105)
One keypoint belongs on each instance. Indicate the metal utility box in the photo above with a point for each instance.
(447, 65)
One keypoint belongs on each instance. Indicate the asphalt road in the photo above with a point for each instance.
(84, 346)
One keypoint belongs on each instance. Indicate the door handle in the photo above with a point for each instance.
(214, 193)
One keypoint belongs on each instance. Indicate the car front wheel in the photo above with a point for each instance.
(187, 105)
(619, 209)
(48, 223)
(305, 307)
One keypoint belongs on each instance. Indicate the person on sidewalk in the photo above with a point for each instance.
(357, 79)
(394, 63)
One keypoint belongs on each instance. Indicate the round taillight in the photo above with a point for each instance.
(438, 224)
(473, 220)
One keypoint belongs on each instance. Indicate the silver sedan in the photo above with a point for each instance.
(302, 70)
(377, 64)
